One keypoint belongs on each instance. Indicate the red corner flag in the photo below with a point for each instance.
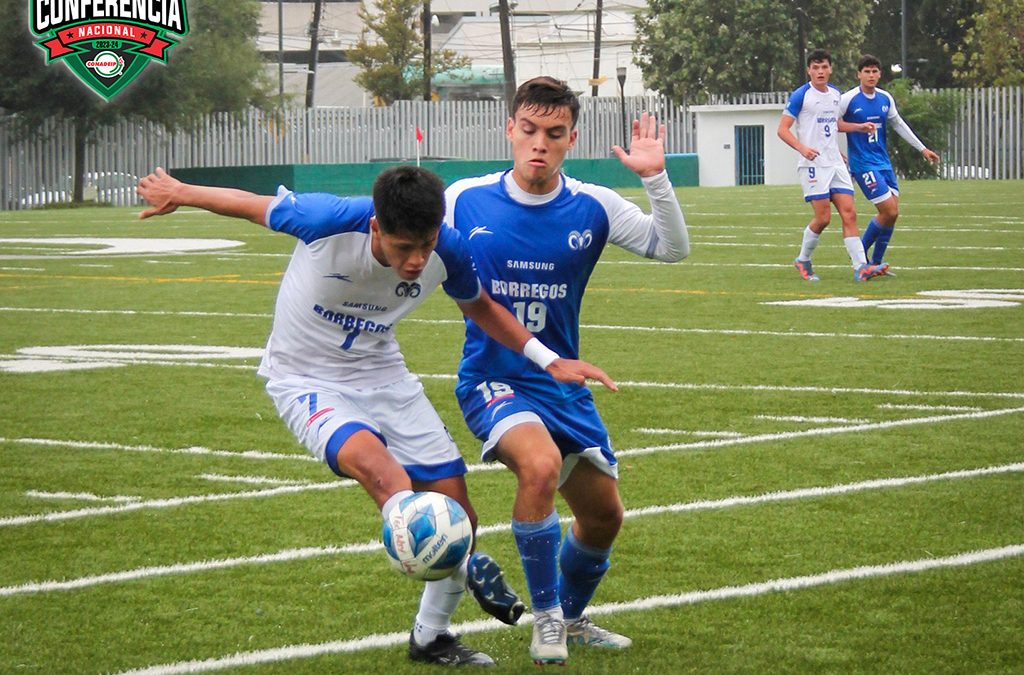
(419, 135)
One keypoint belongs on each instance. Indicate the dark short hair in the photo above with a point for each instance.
(546, 94)
(408, 200)
(867, 61)
(818, 55)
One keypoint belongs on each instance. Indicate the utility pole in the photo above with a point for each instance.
(801, 44)
(314, 47)
(427, 69)
(280, 53)
(504, 17)
(597, 47)
(903, 39)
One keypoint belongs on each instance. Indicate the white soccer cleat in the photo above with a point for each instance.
(548, 644)
(583, 631)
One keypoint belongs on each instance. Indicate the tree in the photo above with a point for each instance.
(692, 49)
(992, 51)
(216, 68)
(932, 26)
(929, 114)
(391, 67)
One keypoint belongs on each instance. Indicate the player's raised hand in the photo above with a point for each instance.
(158, 188)
(573, 371)
(646, 156)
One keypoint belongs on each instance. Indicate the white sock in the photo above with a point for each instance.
(437, 604)
(810, 243)
(855, 247)
(392, 500)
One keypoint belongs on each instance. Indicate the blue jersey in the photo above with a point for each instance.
(870, 152)
(535, 254)
(337, 305)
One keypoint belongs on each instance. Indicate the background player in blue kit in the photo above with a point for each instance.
(869, 154)
(814, 109)
(536, 236)
(333, 365)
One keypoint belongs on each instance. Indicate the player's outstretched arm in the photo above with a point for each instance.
(165, 194)
(646, 156)
(501, 325)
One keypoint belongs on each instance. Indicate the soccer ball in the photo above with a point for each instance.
(427, 535)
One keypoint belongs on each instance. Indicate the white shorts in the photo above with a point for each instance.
(821, 182)
(399, 414)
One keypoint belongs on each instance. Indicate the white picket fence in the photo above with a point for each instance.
(987, 141)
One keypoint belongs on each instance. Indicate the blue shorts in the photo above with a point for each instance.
(877, 184)
(493, 407)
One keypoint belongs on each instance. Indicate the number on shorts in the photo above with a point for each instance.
(494, 390)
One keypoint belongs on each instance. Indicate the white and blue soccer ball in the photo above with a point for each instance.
(427, 535)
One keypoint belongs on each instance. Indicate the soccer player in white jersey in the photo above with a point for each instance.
(869, 154)
(536, 235)
(814, 109)
(333, 366)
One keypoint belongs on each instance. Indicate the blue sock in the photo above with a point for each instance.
(538, 549)
(871, 233)
(583, 567)
(882, 243)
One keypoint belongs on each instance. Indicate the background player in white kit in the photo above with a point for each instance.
(869, 153)
(814, 108)
(333, 366)
(536, 236)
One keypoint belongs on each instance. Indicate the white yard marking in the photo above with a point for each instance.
(58, 247)
(380, 641)
(81, 496)
(288, 555)
(194, 450)
(814, 420)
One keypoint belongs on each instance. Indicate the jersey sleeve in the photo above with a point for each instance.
(461, 283)
(660, 235)
(795, 102)
(310, 216)
(900, 126)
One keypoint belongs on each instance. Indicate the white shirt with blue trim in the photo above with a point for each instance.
(817, 123)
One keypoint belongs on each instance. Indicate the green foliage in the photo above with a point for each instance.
(692, 49)
(929, 114)
(390, 51)
(992, 51)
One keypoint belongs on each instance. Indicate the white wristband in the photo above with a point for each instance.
(535, 350)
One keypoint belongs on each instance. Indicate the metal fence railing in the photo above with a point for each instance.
(987, 141)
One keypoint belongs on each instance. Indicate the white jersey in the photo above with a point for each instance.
(817, 123)
(337, 305)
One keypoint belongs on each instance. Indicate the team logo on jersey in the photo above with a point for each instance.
(407, 290)
(107, 44)
(580, 240)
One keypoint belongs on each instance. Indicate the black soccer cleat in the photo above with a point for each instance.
(447, 650)
(487, 582)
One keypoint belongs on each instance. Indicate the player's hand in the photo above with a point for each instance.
(867, 127)
(930, 156)
(573, 371)
(158, 188)
(810, 153)
(646, 156)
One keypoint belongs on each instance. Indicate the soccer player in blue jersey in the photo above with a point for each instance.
(333, 366)
(869, 154)
(536, 235)
(814, 109)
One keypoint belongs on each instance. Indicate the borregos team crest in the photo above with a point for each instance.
(107, 43)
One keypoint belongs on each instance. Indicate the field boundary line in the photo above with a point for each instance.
(588, 326)
(288, 555)
(380, 641)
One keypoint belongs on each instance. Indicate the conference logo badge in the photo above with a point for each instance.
(107, 43)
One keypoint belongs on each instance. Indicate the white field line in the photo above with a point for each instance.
(195, 450)
(380, 641)
(818, 431)
(288, 555)
(959, 268)
(817, 420)
(911, 406)
(633, 329)
(172, 502)
(82, 496)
